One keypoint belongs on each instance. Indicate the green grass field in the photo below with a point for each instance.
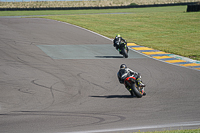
(169, 29)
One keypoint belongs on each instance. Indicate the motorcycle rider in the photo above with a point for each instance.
(125, 72)
(117, 41)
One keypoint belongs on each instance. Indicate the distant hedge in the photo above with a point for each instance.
(106, 7)
(193, 8)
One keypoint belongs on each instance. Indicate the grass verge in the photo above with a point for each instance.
(176, 131)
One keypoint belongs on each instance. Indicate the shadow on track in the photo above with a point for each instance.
(109, 56)
(115, 96)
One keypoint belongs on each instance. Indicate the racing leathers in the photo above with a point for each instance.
(117, 41)
(123, 73)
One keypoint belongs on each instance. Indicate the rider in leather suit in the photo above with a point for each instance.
(125, 72)
(117, 41)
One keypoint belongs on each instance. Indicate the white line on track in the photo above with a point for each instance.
(162, 60)
(86, 30)
(182, 124)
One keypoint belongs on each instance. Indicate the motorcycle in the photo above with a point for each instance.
(133, 88)
(123, 49)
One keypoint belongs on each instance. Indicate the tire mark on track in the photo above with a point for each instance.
(27, 63)
(17, 59)
(91, 82)
(96, 118)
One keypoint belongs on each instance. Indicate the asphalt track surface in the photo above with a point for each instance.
(44, 93)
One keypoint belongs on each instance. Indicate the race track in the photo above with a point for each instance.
(56, 77)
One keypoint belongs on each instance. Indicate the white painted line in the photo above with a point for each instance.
(184, 58)
(182, 124)
(86, 30)
(161, 60)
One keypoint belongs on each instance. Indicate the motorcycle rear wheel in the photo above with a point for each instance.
(136, 91)
(125, 52)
